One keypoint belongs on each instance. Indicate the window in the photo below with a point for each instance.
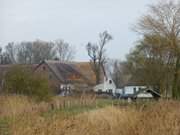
(134, 89)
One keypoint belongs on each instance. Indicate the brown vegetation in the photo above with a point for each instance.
(159, 119)
(23, 116)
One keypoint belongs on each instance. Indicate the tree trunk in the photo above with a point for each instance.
(97, 76)
(175, 91)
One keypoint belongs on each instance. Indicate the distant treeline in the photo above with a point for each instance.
(30, 52)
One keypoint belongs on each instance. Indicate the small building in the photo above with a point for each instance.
(135, 90)
(129, 90)
(107, 87)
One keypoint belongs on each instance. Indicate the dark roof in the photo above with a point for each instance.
(63, 69)
(154, 93)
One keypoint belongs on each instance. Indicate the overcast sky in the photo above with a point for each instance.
(75, 21)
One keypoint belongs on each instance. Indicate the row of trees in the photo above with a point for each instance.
(36, 51)
(155, 60)
(159, 49)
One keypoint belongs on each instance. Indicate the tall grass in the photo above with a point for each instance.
(162, 118)
(26, 117)
(11, 106)
(19, 105)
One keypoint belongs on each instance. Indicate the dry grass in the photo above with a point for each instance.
(160, 118)
(12, 106)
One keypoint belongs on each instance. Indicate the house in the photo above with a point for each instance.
(62, 76)
(136, 90)
(131, 90)
(68, 76)
(108, 87)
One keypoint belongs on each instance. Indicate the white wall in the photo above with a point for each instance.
(130, 89)
(106, 86)
(119, 91)
(145, 95)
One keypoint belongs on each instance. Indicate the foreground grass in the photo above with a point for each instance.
(95, 118)
(25, 111)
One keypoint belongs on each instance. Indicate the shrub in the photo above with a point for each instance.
(21, 80)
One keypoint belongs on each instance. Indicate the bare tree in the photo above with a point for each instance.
(65, 52)
(97, 55)
(163, 19)
(4, 57)
(43, 51)
(11, 50)
(24, 53)
(1, 56)
(119, 73)
(28, 52)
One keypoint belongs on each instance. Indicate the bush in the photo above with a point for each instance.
(20, 80)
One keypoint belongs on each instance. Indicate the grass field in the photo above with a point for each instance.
(20, 115)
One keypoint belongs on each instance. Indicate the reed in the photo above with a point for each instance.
(20, 115)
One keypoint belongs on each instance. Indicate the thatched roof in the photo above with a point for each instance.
(63, 69)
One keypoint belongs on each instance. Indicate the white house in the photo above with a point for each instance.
(108, 86)
(130, 90)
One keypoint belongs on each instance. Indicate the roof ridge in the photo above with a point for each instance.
(65, 62)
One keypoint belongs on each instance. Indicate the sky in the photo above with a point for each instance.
(75, 21)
